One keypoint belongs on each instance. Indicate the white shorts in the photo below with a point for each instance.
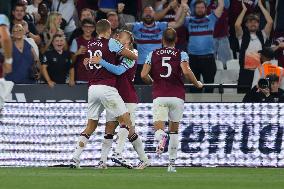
(102, 97)
(5, 89)
(131, 107)
(168, 109)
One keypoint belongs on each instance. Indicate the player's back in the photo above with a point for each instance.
(167, 73)
(98, 74)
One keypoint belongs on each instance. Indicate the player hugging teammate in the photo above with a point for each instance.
(107, 85)
(113, 66)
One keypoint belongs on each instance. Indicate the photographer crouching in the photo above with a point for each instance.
(267, 90)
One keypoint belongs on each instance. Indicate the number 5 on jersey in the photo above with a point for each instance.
(165, 63)
(96, 53)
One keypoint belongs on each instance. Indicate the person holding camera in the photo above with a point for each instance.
(267, 90)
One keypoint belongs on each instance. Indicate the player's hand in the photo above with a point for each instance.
(86, 61)
(51, 84)
(244, 6)
(199, 84)
(95, 59)
(120, 7)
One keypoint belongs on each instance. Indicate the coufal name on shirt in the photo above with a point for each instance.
(167, 51)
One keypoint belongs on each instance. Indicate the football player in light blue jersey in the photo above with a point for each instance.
(6, 47)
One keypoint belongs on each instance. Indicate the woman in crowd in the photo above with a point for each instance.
(52, 27)
(25, 60)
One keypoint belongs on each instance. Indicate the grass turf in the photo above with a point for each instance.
(150, 178)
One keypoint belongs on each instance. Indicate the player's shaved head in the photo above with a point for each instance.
(103, 26)
(169, 36)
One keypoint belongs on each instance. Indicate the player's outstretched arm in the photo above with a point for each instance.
(189, 74)
(115, 69)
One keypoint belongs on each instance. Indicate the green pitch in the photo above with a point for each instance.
(151, 178)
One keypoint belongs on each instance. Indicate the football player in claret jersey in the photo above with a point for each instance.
(102, 93)
(125, 72)
(167, 66)
(5, 67)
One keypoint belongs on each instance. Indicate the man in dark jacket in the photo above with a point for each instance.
(267, 90)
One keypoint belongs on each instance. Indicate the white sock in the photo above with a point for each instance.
(159, 134)
(139, 148)
(122, 136)
(106, 147)
(79, 149)
(173, 146)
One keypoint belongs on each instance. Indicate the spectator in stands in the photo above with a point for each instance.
(163, 7)
(24, 59)
(251, 40)
(32, 10)
(221, 32)
(279, 18)
(168, 12)
(112, 17)
(79, 50)
(29, 39)
(56, 63)
(52, 27)
(106, 6)
(278, 47)
(86, 4)
(234, 11)
(201, 44)
(148, 34)
(267, 67)
(267, 90)
(18, 13)
(85, 14)
(122, 17)
(66, 8)
(43, 12)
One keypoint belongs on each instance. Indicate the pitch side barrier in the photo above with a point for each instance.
(64, 93)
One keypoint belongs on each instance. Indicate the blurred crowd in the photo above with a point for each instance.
(51, 36)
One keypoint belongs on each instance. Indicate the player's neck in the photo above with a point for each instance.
(169, 46)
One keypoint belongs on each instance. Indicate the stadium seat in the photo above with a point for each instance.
(233, 64)
(219, 65)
